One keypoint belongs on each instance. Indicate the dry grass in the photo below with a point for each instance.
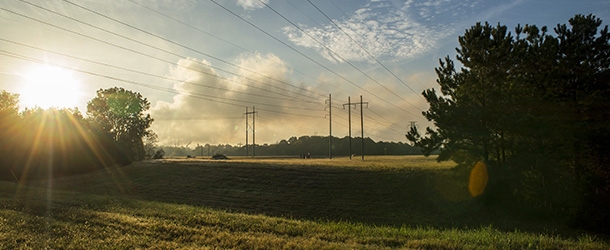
(375, 161)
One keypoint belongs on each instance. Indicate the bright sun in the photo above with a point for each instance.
(48, 86)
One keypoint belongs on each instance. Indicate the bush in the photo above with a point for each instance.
(219, 157)
(159, 154)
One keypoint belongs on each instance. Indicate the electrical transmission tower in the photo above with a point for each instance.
(349, 105)
(253, 113)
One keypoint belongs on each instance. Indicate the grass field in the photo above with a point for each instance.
(380, 203)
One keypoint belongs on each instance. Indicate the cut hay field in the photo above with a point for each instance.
(408, 202)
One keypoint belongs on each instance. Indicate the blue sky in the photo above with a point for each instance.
(201, 63)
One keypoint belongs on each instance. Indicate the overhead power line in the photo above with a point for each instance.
(401, 66)
(365, 50)
(343, 59)
(210, 34)
(340, 57)
(298, 94)
(336, 54)
(183, 46)
(306, 56)
(214, 99)
(192, 118)
(228, 101)
(188, 25)
(165, 77)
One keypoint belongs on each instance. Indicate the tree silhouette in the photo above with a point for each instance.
(119, 114)
(533, 107)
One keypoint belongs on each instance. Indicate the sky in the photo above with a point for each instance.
(203, 64)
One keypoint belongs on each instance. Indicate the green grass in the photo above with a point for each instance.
(381, 203)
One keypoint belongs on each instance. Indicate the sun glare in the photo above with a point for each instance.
(48, 86)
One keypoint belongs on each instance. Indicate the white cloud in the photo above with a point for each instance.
(251, 4)
(209, 107)
(385, 32)
(388, 31)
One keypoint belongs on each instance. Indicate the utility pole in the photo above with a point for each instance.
(349, 122)
(330, 127)
(412, 124)
(253, 113)
(362, 123)
(253, 133)
(246, 130)
(349, 104)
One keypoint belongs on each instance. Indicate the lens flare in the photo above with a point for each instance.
(478, 179)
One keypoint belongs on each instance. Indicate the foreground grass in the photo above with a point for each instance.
(254, 205)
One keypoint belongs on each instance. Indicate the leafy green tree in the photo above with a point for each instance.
(119, 114)
(9, 102)
(8, 111)
(150, 145)
(8, 126)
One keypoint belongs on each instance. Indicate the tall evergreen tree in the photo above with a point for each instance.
(532, 105)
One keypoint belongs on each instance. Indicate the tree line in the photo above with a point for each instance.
(37, 143)
(533, 107)
(314, 146)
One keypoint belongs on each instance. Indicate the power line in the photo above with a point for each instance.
(304, 14)
(346, 61)
(378, 119)
(191, 118)
(149, 45)
(188, 25)
(155, 87)
(400, 65)
(337, 7)
(364, 49)
(181, 45)
(293, 24)
(304, 55)
(208, 33)
(387, 123)
(165, 77)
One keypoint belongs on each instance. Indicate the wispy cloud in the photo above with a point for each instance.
(251, 4)
(386, 31)
(501, 8)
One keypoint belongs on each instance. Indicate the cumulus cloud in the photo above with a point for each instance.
(209, 107)
(251, 4)
(388, 32)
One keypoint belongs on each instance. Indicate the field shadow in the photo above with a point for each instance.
(385, 197)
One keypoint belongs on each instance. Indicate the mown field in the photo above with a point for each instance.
(406, 202)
